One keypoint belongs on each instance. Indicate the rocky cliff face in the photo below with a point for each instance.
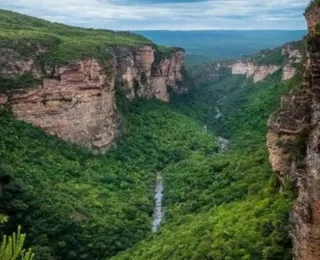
(142, 75)
(257, 67)
(294, 146)
(77, 102)
(294, 57)
(248, 68)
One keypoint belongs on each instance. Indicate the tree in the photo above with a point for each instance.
(12, 246)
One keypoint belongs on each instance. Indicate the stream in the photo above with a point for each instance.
(158, 214)
(219, 114)
(158, 191)
(223, 144)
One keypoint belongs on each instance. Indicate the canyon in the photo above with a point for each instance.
(220, 199)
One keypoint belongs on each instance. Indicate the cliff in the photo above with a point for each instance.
(68, 87)
(249, 69)
(257, 67)
(293, 143)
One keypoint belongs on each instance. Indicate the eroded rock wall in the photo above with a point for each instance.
(294, 148)
(294, 58)
(142, 75)
(78, 103)
(248, 68)
(256, 67)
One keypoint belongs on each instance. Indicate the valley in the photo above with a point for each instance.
(112, 148)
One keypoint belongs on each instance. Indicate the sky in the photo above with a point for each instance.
(168, 14)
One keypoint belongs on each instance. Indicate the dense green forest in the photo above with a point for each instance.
(76, 205)
(226, 206)
(54, 44)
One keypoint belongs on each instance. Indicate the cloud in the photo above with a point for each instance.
(168, 14)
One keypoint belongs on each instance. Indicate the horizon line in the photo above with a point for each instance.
(177, 30)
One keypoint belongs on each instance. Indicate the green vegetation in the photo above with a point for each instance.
(165, 51)
(12, 247)
(273, 57)
(25, 80)
(312, 3)
(74, 205)
(65, 43)
(224, 206)
(54, 44)
(232, 94)
(250, 229)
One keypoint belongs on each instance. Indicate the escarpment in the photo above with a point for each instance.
(77, 101)
(148, 73)
(249, 69)
(258, 67)
(294, 146)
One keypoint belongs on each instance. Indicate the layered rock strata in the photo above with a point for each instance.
(248, 68)
(294, 146)
(77, 102)
(253, 67)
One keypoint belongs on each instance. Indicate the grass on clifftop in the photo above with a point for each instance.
(66, 43)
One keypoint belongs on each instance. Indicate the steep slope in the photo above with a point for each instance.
(64, 79)
(218, 92)
(225, 206)
(86, 86)
(74, 205)
(293, 142)
(287, 58)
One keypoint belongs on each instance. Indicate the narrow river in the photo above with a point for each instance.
(158, 194)
(158, 191)
(223, 144)
(219, 114)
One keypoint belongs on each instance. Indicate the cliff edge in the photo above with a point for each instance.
(287, 58)
(294, 146)
(65, 79)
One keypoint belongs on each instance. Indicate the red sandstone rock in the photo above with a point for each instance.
(79, 105)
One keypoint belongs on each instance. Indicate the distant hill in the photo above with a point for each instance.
(217, 45)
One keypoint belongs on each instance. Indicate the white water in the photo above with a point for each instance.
(219, 114)
(158, 214)
(158, 191)
(223, 144)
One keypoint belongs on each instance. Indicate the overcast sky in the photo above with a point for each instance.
(168, 14)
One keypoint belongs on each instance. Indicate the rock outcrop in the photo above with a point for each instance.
(256, 67)
(294, 147)
(77, 102)
(312, 16)
(248, 68)
(143, 76)
(294, 58)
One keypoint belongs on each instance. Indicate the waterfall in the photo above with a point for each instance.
(158, 195)
(219, 114)
(223, 144)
